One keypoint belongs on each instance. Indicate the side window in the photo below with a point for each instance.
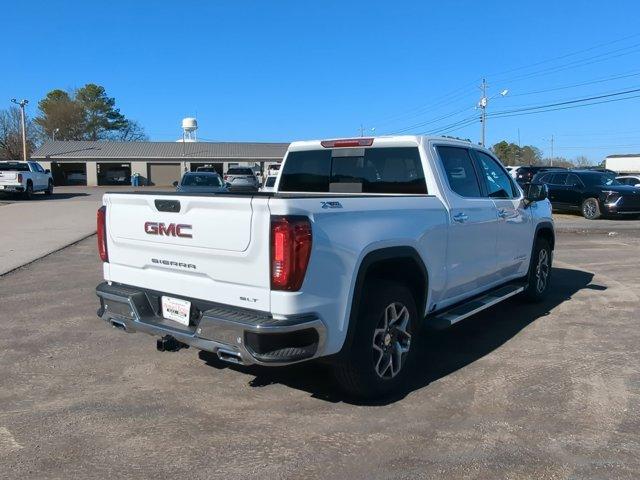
(572, 180)
(39, 167)
(458, 167)
(559, 179)
(546, 178)
(496, 179)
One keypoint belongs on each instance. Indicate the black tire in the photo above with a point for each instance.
(28, 193)
(539, 276)
(49, 190)
(358, 371)
(591, 209)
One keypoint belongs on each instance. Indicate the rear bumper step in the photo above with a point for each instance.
(236, 335)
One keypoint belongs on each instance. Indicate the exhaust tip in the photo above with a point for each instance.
(118, 325)
(230, 356)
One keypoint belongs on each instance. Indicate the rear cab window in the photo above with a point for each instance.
(13, 167)
(391, 170)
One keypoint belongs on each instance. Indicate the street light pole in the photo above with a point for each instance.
(22, 104)
(53, 134)
(482, 105)
(483, 113)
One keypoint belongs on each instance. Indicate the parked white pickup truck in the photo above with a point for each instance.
(363, 241)
(25, 178)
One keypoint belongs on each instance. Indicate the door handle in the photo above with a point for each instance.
(502, 213)
(460, 217)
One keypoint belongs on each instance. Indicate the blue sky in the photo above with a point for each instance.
(288, 70)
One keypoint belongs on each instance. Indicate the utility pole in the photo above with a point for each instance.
(53, 134)
(482, 104)
(552, 150)
(22, 104)
(361, 130)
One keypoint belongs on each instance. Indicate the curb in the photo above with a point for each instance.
(74, 242)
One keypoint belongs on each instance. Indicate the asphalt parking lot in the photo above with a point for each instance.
(520, 391)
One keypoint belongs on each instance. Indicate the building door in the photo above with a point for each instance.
(69, 173)
(163, 174)
(114, 173)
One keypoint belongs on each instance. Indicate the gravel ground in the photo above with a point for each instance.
(520, 391)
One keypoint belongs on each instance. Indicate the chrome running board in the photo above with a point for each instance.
(459, 312)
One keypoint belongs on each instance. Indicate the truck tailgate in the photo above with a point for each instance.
(8, 177)
(215, 248)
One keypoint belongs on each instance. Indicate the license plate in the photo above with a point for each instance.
(176, 309)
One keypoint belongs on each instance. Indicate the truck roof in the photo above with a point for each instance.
(387, 141)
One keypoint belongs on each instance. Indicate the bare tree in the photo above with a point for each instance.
(11, 134)
(132, 132)
(582, 161)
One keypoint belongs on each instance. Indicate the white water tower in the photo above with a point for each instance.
(189, 127)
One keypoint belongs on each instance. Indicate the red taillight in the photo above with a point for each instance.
(350, 142)
(102, 233)
(19, 178)
(290, 250)
(225, 177)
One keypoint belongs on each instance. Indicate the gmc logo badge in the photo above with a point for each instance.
(171, 230)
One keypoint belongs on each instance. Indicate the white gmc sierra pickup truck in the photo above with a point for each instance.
(363, 241)
(24, 178)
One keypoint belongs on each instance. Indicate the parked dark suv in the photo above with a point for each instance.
(593, 193)
(525, 174)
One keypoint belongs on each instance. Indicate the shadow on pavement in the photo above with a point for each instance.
(440, 353)
(37, 197)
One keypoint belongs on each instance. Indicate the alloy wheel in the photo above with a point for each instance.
(542, 271)
(590, 209)
(391, 340)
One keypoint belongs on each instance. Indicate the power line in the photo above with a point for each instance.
(567, 55)
(455, 95)
(569, 107)
(598, 146)
(565, 87)
(602, 57)
(568, 102)
(423, 124)
(447, 99)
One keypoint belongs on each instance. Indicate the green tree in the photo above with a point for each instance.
(530, 155)
(512, 154)
(87, 113)
(60, 113)
(101, 117)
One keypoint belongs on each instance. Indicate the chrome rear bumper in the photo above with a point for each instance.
(236, 335)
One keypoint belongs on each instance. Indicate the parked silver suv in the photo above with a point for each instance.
(241, 178)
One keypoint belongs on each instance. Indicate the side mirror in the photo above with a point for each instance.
(175, 184)
(227, 184)
(47, 171)
(535, 192)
